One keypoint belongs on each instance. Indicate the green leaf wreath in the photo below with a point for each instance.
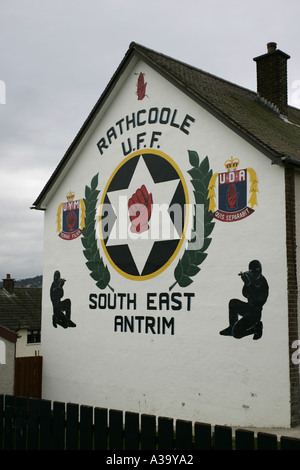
(188, 265)
(98, 271)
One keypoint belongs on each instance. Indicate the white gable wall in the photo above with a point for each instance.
(194, 373)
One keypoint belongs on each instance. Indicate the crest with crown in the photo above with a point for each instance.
(232, 163)
(78, 207)
(70, 196)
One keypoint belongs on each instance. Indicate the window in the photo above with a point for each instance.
(33, 336)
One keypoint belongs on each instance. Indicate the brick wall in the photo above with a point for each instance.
(292, 291)
(272, 77)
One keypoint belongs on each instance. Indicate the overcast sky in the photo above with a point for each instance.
(57, 56)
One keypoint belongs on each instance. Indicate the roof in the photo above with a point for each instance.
(239, 108)
(22, 309)
(5, 333)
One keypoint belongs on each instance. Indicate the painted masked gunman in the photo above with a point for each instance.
(256, 291)
(61, 308)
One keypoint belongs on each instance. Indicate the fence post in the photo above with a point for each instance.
(148, 432)
(72, 427)
(289, 443)
(9, 426)
(266, 441)
(223, 438)
(58, 425)
(100, 433)
(86, 427)
(21, 428)
(244, 439)
(165, 434)
(33, 424)
(184, 435)
(203, 436)
(45, 425)
(132, 431)
(115, 430)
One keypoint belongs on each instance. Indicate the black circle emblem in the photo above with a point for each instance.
(143, 214)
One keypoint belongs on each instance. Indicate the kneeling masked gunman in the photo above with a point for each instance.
(256, 291)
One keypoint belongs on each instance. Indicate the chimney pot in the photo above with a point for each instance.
(9, 284)
(271, 46)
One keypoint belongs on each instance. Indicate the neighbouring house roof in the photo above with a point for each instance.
(21, 309)
(241, 109)
(7, 334)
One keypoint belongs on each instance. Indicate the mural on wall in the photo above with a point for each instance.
(140, 242)
(150, 217)
(141, 87)
(70, 217)
(232, 192)
(61, 308)
(256, 291)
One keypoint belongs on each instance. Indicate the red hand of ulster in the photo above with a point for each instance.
(140, 208)
(231, 197)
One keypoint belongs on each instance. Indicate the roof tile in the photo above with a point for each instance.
(22, 309)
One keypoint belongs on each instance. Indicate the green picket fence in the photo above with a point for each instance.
(32, 424)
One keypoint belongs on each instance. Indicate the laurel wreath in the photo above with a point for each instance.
(188, 266)
(98, 271)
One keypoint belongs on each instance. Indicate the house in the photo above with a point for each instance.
(20, 312)
(171, 247)
(8, 340)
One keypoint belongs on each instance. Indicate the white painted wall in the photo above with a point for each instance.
(7, 366)
(25, 349)
(194, 374)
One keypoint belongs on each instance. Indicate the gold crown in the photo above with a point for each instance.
(232, 164)
(70, 196)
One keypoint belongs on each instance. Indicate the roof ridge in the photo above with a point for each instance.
(137, 46)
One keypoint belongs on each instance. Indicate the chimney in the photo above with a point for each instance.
(271, 72)
(9, 284)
